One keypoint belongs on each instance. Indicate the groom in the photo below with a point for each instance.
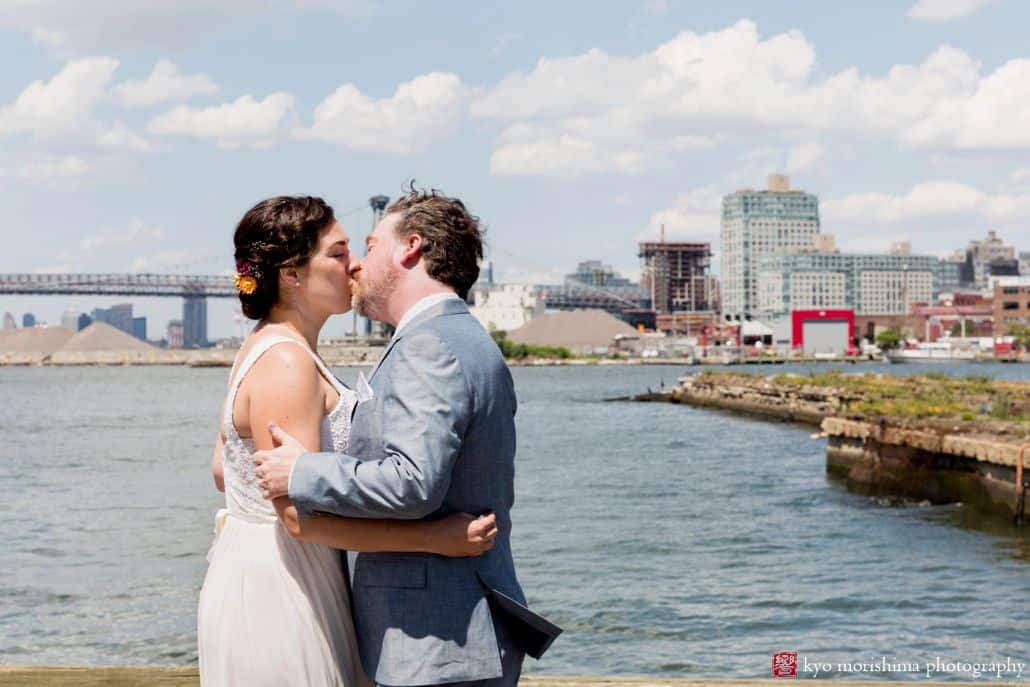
(433, 433)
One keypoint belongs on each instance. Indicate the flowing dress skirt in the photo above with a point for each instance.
(273, 610)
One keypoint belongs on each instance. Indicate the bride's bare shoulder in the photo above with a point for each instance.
(284, 359)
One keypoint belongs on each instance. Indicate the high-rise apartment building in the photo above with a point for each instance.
(756, 224)
(990, 256)
(869, 284)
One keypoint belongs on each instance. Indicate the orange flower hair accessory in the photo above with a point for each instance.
(246, 277)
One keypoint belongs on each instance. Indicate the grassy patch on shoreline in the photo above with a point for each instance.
(516, 351)
(971, 402)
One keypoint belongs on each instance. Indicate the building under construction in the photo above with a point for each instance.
(684, 296)
(676, 276)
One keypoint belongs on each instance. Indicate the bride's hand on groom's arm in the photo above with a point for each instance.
(461, 535)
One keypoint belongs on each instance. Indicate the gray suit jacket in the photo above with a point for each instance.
(437, 437)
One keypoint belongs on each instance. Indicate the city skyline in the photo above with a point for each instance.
(574, 137)
(821, 276)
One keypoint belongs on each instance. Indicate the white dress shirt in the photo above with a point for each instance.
(423, 305)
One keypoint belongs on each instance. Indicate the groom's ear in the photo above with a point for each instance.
(412, 247)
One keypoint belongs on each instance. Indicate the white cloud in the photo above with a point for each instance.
(994, 114)
(120, 137)
(941, 199)
(61, 105)
(54, 168)
(804, 156)
(420, 112)
(694, 217)
(243, 122)
(562, 155)
(565, 86)
(946, 10)
(727, 84)
(165, 83)
(137, 231)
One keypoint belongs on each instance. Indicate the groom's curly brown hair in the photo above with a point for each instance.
(452, 238)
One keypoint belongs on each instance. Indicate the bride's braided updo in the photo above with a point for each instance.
(277, 232)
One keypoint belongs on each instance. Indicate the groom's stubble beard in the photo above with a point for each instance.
(372, 294)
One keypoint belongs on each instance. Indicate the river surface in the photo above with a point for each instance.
(664, 539)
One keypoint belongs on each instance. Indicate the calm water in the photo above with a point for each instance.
(664, 539)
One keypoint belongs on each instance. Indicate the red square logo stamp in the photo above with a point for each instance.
(785, 664)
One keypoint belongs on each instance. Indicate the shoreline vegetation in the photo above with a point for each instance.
(974, 404)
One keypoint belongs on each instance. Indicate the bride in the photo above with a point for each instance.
(275, 607)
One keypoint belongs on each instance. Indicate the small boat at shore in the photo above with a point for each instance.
(933, 352)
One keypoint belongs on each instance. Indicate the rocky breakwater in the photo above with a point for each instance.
(929, 437)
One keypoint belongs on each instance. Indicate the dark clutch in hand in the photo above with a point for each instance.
(532, 632)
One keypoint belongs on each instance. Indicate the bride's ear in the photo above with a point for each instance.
(289, 276)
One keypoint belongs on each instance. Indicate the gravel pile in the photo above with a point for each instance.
(574, 329)
(35, 339)
(101, 336)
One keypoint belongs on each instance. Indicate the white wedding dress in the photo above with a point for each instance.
(273, 610)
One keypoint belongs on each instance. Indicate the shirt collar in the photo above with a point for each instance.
(423, 305)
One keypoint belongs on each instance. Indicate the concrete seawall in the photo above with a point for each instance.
(940, 468)
(90, 676)
(939, 460)
(340, 356)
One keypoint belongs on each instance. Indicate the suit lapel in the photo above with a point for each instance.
(450, 306)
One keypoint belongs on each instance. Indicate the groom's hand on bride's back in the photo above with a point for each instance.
(273, 467)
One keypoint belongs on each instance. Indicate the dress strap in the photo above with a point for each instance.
(259, 349)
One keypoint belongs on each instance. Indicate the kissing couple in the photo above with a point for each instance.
(412, 471)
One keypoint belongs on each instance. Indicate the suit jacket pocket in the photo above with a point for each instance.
(397, 574)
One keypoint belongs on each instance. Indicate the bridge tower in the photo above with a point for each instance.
(194, 321)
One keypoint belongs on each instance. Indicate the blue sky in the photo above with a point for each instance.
(133, 135)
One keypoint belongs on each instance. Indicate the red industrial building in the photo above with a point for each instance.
(823, 331)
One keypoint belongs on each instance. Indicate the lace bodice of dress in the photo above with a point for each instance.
(242, 492)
